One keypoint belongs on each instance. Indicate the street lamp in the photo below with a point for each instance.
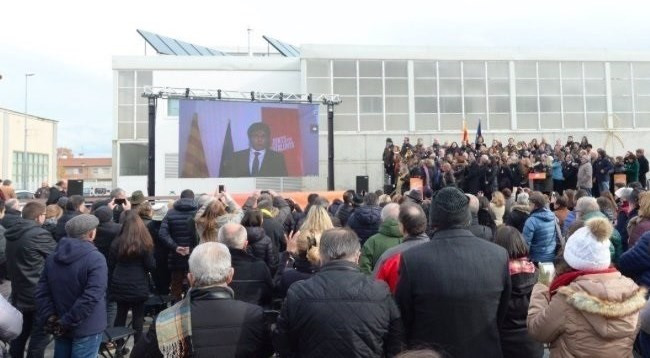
(27, 75)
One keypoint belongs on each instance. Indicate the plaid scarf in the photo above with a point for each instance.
(174, 330)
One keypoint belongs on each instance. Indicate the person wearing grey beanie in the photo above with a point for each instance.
(460, 266)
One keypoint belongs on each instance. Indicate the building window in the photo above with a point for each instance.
(132, 115)
(172, 107)
(133, 159)
(38, 169)
(641, 76)
(425, 80)
(450, 94)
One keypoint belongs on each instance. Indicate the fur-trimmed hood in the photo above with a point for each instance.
(606, 301)
(522, 208)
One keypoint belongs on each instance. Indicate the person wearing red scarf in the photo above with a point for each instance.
(590, 310)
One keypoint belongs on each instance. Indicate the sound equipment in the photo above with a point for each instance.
(362, 184)
(75, 187)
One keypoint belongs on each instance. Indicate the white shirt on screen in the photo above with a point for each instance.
(251, 158)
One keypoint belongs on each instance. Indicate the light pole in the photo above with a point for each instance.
(27, 75)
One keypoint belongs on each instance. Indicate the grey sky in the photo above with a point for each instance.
(69, 44)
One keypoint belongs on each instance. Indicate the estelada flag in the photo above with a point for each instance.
(465, 133)
(285, 136)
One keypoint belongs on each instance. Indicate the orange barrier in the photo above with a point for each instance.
(299, 197)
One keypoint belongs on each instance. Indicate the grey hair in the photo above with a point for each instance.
(233, 235)
(210, 264)
(522, 198)
(115, 192)
(338, 244)
(390, 211)
(587, 204)
(11, 204)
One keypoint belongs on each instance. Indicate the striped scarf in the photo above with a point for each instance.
(174, 330)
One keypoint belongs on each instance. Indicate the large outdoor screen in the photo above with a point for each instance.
(247, 139)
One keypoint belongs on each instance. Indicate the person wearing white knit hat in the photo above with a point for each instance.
(591, 310)
(588, 248)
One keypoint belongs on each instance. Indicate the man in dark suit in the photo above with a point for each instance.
(258, 160)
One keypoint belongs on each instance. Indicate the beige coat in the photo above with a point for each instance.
(595, 316)
(498, 212)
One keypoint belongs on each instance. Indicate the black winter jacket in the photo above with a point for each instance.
(176, 231)
(275, 231)
(343, 213)
(252, 280)
(28, 245)
(473, 178)
(129, 277)
(365, 221)
(292, 270)
(106, 233)
(457, 279)
(260, 246)
(221, 327)
(517, 217)
(60, 224)
(515, 341)
(11, 217)
(339, 312)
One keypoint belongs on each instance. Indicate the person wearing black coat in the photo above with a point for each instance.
(366, 219)
(107, 230)
(178, 237)
(259, 244)
(56, 192)
(453, 291)
(73, 207)
(347, 208)
(12, 214)
(505, 177)
(28, 246)
(294, 268)
(570, 172)
(644, 167)
(472, 179)
(252, 281)
(161, 275)
(221, 326)
(129, 264)
(339, 311)
(273, 228)
(515, 341)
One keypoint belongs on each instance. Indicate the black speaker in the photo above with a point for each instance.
(362, 184)
(75, 187)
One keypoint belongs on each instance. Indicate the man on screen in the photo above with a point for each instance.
(259, 160)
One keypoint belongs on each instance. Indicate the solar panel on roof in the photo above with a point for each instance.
(168, 46)
(283, 48)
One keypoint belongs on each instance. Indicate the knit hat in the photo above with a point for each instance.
(159, 211)
(137, 197)
(104, 214)
(81, 224)
(450, 208)
(588, 247)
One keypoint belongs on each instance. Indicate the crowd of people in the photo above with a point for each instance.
(478, 262)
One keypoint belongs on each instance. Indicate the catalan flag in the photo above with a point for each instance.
(194, 165)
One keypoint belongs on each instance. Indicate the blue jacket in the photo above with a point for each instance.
(635, 263)
(605, 166)
(539, 233)
(73, 286)
(568, 222)
(557, 170)
(365, 221)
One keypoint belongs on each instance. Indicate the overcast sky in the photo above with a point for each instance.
(69, 44)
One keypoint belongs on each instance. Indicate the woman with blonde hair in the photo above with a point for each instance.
(498, 207)
(302, 259)
(640, 224)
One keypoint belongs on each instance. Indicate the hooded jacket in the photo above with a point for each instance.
(12, 216)
(389, 235)
(28, 245)
(594, 316)
(260, 246)
(107, 230)
(365, 221)
(78, 266)
(176, 231)
(539, 233)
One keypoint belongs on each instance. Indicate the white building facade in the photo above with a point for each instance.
(392, 92)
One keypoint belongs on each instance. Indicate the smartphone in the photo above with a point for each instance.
(120, 201)
(222, 188)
